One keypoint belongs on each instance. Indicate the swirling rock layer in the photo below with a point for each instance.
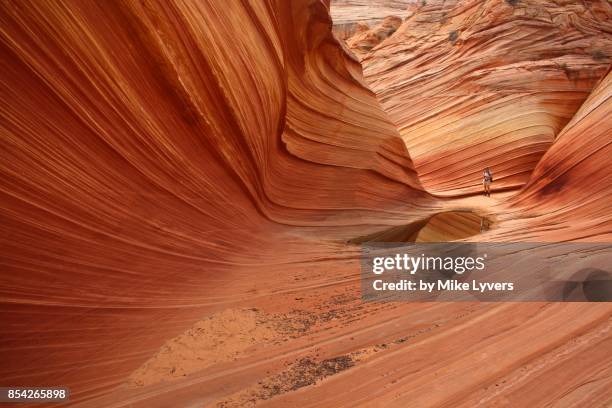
(488, 83)
(177, 171)
(152, 151)
(569, 193)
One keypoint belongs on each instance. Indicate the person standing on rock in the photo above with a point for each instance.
(487, 179)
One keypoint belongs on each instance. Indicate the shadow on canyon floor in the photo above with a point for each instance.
(441, 227)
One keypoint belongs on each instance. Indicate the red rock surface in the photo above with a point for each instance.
(175, 171)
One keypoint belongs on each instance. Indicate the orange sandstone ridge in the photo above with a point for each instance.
(183, 185)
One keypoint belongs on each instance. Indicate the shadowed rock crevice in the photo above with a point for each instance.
(441, 227)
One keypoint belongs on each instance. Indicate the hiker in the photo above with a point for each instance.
(484, 224)
(487, 179)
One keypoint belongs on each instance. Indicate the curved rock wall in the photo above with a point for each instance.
(488, 83)
(152, 151)
(165, 161)
(569, 194)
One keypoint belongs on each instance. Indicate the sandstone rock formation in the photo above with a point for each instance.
(151, 152)
(488, 83)
(353, 16)
(365, 39)
(173, 167)
(569, 193)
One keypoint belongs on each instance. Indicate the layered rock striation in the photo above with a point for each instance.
(153, 151)
(366, 39)
(568, 195)
(354, 16)
(480, 84)
(165, 163)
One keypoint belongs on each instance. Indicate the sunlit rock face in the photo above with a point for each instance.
(150, 152)
(488, 83)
